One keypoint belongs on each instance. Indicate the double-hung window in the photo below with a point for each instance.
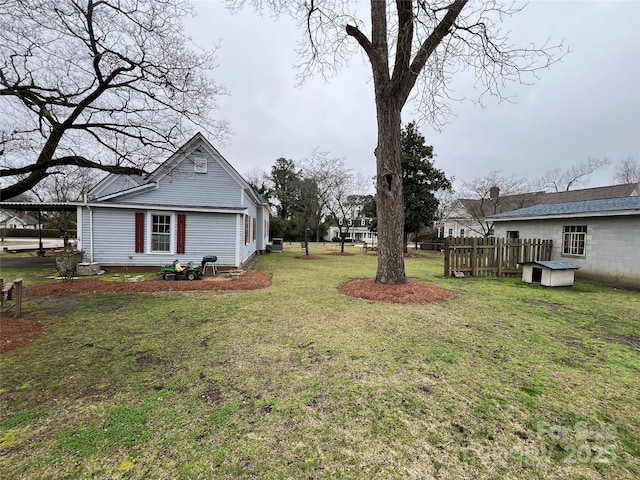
(161, 233)
(574, 240)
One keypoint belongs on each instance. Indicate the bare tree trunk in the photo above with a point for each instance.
(389, 193)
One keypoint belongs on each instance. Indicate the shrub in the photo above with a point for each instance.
(34, 233)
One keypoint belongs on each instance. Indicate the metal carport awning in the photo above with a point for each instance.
(40, 207)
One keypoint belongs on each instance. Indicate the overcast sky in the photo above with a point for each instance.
(586, 106)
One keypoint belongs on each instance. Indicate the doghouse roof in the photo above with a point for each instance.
(556, 265)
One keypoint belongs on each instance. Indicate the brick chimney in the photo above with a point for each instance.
(494, 192)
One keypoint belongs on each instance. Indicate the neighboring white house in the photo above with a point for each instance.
(602, 236)
(16, 219)
(469, 217)
(356, 229)
(193, 205)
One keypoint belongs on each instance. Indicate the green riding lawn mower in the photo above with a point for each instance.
(192, 271)
(175, 271)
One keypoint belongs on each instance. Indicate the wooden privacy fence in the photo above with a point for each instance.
(492, 256)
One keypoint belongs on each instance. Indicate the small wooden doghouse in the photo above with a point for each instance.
(549, 273)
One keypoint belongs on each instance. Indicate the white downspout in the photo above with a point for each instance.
(90, 231)
(90, 228)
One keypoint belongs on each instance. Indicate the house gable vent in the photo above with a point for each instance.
(200, 165)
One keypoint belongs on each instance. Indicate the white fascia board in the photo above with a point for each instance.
(174, 208)
(616, 213)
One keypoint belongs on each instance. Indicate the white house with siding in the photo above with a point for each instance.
(602, 237)
(17, 219)
(193, 205)
(357, 229)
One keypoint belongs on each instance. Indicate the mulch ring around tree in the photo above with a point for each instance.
(17, 332)
(414, 291)
(309, 257)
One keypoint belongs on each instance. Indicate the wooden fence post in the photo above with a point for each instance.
(500, 247)
(474, 257)
(447, 256)
(17, 284)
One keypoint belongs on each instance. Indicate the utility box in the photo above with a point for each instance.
(549, 273)
(277, 245)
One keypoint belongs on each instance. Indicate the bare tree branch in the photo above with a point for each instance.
(627, 171)
(108, 83)
(577, 175)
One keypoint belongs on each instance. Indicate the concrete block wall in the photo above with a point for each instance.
(612, 251)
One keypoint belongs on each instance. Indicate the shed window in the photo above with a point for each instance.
(574, 240)
(161, 233)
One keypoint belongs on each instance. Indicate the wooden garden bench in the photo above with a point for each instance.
(12, 291)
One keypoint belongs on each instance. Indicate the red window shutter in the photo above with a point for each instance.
(182, 233)
(139, 232)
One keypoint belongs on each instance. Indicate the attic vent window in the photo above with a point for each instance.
(200, 165)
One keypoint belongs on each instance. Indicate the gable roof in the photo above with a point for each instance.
(194, 143)
(133, 181)
(14, 214)
(590, 208)
(508, 203)
(504, 203)
(596, 193)
(6, 217)
(138, 184)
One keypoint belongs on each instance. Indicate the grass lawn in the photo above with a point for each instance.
(297, 381)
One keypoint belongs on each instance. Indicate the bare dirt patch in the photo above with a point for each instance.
(17, 332)
(414, 291)
(309, 257)
(251, 280)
